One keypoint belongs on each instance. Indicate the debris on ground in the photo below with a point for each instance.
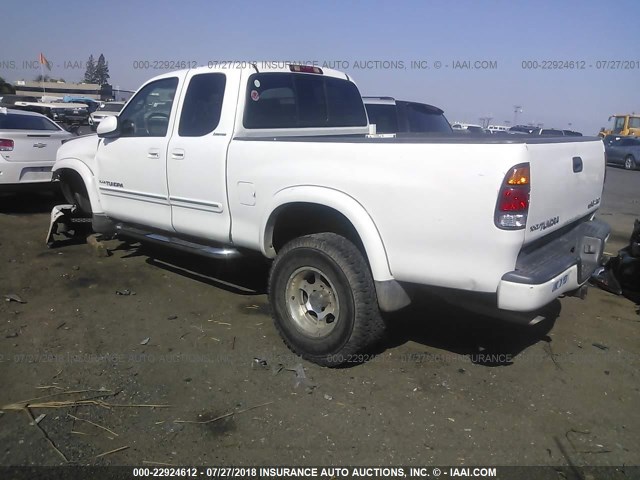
(260, 362)
(40, 417)
(600, 346)
(328, 397)
(172, 317)
(125, 292)
(12, 297)
(145, 341)
(112, 451)
(301, 377)
(237, 412)
(98, 247)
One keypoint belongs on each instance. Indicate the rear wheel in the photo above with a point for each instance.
(629, 162)
(324, 300)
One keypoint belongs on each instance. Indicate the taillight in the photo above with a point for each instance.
(513, 199)
(6, 145)
(305, 69)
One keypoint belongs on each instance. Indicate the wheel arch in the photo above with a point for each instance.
(79, 168)
(327, 201)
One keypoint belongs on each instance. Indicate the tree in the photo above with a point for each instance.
(90, 73)
(102, 71)
(6, 87)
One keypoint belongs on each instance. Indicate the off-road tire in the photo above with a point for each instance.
(358, 325)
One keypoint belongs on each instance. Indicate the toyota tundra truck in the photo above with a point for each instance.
(283, 161)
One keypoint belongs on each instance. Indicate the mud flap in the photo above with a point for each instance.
(60, 223)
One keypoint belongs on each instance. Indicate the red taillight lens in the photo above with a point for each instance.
(514, 199)
(512, 206)
(6, 145)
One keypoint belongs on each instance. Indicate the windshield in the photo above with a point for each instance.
(618, 126)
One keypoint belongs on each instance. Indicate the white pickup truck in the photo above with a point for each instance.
(283, 161)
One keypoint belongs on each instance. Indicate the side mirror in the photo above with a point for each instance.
(108, 127)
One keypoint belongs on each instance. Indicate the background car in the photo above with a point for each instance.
(572, 133)
(400, 116)
(623, 151)
(104, 110)
(28, 145)
(8, 100)
(522, 129)
(550, 132)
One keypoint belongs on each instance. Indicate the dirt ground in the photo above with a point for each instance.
(191, 340)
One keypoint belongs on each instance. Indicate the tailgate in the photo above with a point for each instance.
(567, 179)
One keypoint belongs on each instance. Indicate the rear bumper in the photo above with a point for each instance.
(559, 265)
(17, 173)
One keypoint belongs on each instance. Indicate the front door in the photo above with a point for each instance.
(132, 168)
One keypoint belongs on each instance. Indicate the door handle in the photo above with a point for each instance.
(153, 153)
(577, 164)
(177, 154)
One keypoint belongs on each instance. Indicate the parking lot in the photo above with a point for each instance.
(174, 360)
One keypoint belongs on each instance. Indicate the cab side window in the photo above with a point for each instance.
(147, 114)
(202, 105)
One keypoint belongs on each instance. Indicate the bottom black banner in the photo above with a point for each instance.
(326, 473)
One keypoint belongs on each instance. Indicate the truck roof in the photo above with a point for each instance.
(267, 66)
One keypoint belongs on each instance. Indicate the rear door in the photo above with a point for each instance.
(566, 184)
(197, 154)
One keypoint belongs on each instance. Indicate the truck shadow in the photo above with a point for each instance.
(429, 321)
(432, 322)
(41, 200)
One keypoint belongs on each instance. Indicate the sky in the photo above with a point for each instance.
(374, 42)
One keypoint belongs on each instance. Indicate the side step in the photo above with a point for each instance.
(221, 252)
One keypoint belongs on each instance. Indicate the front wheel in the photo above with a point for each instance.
(324, 301)
(629, 162)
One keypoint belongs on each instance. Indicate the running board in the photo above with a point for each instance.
(178, 243)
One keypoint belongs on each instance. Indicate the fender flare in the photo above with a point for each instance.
(87, 176)
(341, 202)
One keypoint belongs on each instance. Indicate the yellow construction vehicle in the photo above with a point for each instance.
(623, 125)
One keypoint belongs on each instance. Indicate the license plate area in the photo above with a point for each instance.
(590, 250)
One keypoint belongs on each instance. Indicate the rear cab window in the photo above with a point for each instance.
(286, 100)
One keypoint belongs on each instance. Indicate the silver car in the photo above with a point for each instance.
(29, 142)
